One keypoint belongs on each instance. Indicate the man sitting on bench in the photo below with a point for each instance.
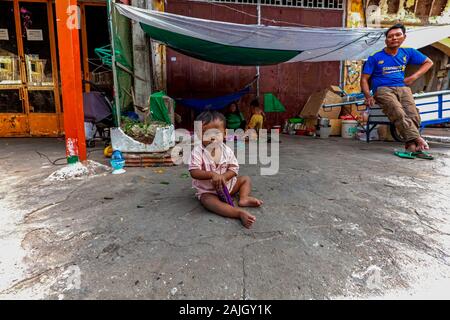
(386, 71)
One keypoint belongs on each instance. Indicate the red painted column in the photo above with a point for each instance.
(68, 22)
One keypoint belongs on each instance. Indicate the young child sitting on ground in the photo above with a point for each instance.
(214, 165)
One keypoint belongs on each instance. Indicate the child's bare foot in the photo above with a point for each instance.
(247, 219)
(249, 202)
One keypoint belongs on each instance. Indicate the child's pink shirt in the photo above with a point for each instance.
(201, 159)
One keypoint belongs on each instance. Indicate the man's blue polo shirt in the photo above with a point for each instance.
(389, 71)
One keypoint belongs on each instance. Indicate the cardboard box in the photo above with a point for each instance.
(313, 107)
(335, 89)
(310, 123)
(336, 125)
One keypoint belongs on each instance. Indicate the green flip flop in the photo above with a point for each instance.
(404, 154)
(422, 155)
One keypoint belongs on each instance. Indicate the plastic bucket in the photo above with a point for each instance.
(349, 128)
(277, 128)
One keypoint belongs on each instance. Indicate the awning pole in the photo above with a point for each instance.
(71, 85)
(257, 67)
(113, 61)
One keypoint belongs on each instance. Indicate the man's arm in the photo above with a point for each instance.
(370, 101)
(424, 67)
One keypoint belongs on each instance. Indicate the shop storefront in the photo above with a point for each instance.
(30, 103)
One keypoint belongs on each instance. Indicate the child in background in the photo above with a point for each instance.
(214, 165)
(257, 119)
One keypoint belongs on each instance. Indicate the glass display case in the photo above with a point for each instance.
(37, 73)
(9, 70)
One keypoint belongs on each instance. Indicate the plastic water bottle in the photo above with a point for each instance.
(117, 162)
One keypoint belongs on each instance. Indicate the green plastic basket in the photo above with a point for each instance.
(296, 120)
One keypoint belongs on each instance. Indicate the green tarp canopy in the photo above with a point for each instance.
(272, 104)
(253, 45)
(158, 108)
(120, 35)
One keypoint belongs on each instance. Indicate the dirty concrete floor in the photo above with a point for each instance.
(341, 219)
(441, 132)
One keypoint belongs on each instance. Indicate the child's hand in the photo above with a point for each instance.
(218, 181)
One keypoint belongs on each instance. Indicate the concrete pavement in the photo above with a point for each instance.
(342, 219)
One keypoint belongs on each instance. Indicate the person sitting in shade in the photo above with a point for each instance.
(235, 118)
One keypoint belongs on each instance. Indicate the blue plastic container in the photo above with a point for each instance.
(117, 165)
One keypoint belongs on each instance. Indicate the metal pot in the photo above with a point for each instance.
(324, 122)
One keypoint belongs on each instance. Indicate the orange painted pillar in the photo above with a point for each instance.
(68, 22)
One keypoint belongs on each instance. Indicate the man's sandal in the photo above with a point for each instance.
(422, 155)
(413, 155)
(404, 154)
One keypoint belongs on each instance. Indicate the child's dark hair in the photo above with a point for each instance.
(209, 116)
(254, 103)
(396, 26)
